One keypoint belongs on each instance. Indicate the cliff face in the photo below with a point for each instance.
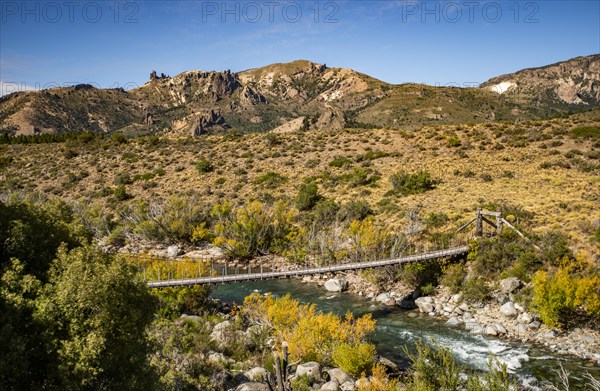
(573, 83)
(299, 92)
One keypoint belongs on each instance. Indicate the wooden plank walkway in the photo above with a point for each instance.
(310, 271)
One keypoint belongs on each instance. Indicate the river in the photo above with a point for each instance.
(396, 330)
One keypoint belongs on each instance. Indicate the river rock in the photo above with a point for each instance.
(491, 330)
(348, 386)
(425, 304)
(339, 375)
(500, 328)
(332, 385)
(509, 285)
(389, 365)
(474, 327)
(588, 339)
(525, 318)
(456, 298)
(173, 251)
(521, 329)
(508, 310)
(466, 316)
(336, 285)
(534, 325)
(550, 335)
(311, 369)
(257, 374)
(453, 321)
(464, 307)
(253, 387)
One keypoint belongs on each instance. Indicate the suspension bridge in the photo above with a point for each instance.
(253, 275)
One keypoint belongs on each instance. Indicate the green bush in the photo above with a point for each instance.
(204, 166)
(308, 196)
(119, 138)
(340, 161)
(270, 180)
(407, 184)
(355, 210)
(475, 290)
(587, 132)
(121, 194)
(123, 178)
(355, 359)
(453, 277)
(568, 294)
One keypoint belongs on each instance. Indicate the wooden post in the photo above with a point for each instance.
(479, 224)
(284, 360)
(499, 222)
(278, 373)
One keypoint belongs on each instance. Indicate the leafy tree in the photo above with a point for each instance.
(32, 231)
(96, 312)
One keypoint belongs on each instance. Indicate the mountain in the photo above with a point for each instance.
(569, 84)
(300, 95)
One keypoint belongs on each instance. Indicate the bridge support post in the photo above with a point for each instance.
(479, 224)
(499, 222)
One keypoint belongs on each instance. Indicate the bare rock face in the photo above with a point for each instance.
(204, 123)
(575, 82)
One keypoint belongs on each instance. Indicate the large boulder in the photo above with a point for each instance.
(311, 369)
(425, 304)
(509, 285)
(339, 375)
(508, 310)
(173, 251)
(386, 299)
(253, 387)
(336, 285)
(332, 385)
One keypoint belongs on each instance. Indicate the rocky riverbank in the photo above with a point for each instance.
(500, 317)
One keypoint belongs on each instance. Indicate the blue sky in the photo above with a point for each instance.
(118, 43)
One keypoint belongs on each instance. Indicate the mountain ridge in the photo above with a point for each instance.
(299, 95)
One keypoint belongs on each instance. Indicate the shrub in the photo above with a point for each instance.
(307, 196)
(475, 290)
(453, 277)
(121, 194)
(311, 335)
(406, 184)
(355, 210)
(204, 166)
(270, 180)
(119, 138)
(340, 161)
(123, 178)
(567, 294)
(454, 142)
(586, 132)
(434, 368)
(354, 359)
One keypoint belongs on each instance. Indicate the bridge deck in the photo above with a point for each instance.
(310, 271)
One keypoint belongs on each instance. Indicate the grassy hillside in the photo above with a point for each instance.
(549, 168)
